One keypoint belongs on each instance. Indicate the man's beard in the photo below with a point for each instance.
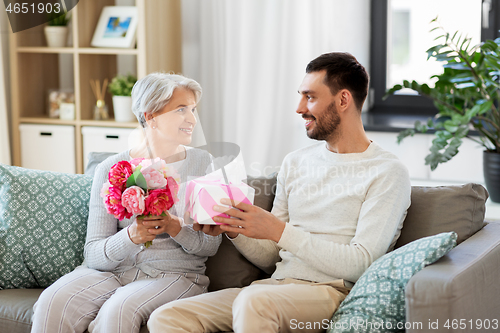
(326, 127)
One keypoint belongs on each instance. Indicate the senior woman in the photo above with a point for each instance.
(121, 282)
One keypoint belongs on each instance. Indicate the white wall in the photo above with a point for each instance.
(466, 166)
(250, 58)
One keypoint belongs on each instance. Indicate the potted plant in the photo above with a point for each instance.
(467, 96)
(56, 32)
(121, 90)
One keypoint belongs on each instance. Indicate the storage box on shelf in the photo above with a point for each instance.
(37, 68)
(106, 139)
(48, 147)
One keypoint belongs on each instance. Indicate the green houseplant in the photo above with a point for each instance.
(121, 90)
(56, 31)
(466, 95)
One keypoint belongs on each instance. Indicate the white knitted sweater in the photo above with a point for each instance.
(109, 248)
(343, 211)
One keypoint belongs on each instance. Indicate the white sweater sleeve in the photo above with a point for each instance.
(380, 218)
(264, 253)
(105, 246)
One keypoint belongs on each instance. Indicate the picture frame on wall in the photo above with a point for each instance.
(117, 27)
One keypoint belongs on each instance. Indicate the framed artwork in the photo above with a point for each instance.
(116, 27)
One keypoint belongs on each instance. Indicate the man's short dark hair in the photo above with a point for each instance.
(343, 71)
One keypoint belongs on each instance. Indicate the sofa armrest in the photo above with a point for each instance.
(461, 285)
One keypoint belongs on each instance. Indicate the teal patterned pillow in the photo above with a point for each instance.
(376, 303)
(43, 221)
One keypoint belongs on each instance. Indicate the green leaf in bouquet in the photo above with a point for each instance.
(130, 181)
(140, 180)
(137, 179)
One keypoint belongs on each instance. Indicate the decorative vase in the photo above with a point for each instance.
(122, 107)
(56, 35)
(491, 169)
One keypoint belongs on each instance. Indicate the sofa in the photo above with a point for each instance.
(463, 285)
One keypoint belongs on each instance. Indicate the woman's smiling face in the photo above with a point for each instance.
(175, 122)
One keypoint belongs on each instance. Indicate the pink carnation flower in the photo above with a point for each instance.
(105, 189)
(154, 178)
(158, 201)
(133, 200)
(135, 162)
(146, 162)
(174, 188)
(119, 174)
(114, 205)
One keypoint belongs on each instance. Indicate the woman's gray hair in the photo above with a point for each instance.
(151, 93)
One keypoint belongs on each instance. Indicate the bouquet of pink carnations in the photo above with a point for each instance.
(143, 187)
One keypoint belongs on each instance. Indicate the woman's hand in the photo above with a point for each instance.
(146, 229)
(209, 229)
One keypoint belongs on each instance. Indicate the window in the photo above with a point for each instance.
(400, 36)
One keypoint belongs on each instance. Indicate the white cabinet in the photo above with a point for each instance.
(107, 139)
(466, 166)
(48, 147)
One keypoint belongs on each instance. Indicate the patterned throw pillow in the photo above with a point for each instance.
(43, 221)
(376, 303)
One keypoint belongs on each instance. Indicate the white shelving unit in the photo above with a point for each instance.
(36, 68)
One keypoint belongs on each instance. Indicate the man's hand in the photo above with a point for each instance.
(251, 221)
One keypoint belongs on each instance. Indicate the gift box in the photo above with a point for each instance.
(205, 192)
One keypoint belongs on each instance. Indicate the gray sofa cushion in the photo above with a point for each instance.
(16, 309)
(434, 210)
(94, 158)
(43, 222)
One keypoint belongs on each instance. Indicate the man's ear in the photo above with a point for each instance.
(345, 99)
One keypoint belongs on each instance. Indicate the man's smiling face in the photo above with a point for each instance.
(317, 107)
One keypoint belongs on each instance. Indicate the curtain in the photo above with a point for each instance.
(4, 119)
(250, 57)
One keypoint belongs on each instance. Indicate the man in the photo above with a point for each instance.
(339, 206)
